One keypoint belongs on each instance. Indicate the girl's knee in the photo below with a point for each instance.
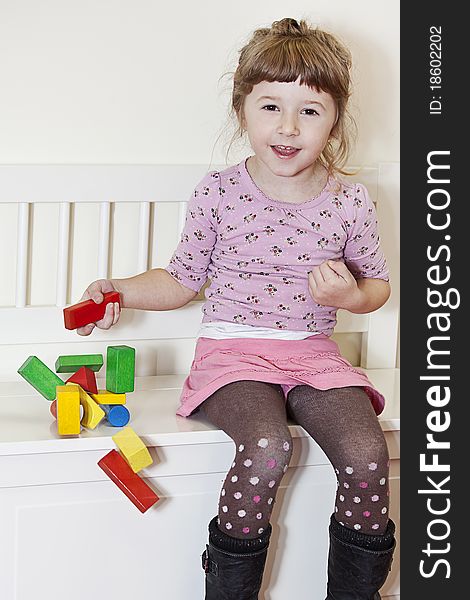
(260, 463)
(364, 467)
(266, 453)
(361, 451)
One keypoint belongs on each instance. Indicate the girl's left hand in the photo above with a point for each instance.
(333, 284)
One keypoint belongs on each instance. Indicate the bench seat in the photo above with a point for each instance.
(27, 426)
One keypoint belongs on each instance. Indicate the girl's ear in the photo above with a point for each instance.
(334, 129)
(334, 126)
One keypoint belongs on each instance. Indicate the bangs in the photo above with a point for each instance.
(287, 60)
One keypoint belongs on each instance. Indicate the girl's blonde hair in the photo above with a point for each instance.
(290, 50)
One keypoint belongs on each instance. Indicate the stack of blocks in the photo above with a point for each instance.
(80, 389)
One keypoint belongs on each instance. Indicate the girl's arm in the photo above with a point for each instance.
(178, 284)
(371, 295)
(153, 290)
(332, 284)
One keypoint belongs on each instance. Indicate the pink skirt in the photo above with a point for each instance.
(314, 361)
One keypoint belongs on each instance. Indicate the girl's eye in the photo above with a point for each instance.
(309, 111)
(270, 107)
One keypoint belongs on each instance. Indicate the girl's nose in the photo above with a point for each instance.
(288, 125)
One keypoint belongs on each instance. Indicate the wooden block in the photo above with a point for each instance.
(85, 378)
(68, 409)
(40, 377)
(93, 414)
(135, 488)
(71, 363)
(120, 369)
(88, 311)
(116, 415)
(133, 449)
(105, 397)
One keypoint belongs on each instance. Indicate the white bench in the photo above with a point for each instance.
(66, 529)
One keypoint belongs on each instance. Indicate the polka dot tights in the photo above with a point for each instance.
(342, 421)
(253, 414)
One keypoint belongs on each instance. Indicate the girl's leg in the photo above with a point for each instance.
(362, 540)
(343, 422)
(253, 414)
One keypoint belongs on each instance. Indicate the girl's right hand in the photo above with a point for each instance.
(95, 292)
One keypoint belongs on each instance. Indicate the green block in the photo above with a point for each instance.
(120, 369)
(40, 377)
(72, 362)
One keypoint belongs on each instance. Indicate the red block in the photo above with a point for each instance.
(85, 378)
(87, 311)
(135, 488)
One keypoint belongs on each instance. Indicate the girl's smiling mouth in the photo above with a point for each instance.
(285, 151)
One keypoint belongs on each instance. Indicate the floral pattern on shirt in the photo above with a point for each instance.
(258, 252)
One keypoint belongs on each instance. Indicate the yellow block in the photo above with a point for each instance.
(133, 449)
(105, 397)
(92, 412)
(68, 409)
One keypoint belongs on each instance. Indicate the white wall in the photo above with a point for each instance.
(137, 81)
(121, 81)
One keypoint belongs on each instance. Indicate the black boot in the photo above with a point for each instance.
(234, 567)
(358, 563)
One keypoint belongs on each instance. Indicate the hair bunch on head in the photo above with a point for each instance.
(291, 50)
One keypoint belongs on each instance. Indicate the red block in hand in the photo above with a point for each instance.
(135, 488)
(85, 378)
(87, 311)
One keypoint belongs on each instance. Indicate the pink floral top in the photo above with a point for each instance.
(258, 252)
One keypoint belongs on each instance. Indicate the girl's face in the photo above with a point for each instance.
(288, 126)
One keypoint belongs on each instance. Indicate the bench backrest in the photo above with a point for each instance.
(63, 226)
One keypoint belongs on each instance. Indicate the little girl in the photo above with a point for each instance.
(285, 244)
